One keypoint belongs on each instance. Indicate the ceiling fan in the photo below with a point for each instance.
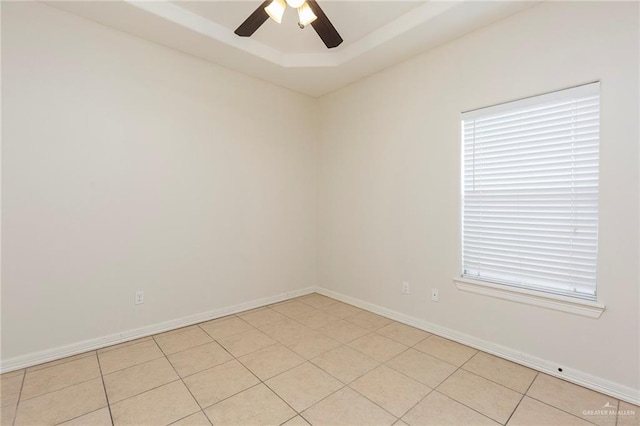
(309, 12)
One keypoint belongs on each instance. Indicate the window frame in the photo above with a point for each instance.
(545, 297)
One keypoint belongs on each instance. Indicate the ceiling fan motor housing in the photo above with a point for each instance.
(319, 21)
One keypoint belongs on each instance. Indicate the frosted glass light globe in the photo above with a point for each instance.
(295, 3)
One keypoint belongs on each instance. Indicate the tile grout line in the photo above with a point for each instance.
(497, 383)
(158, 386)
(347, 385)
(400, 372)
(273, 391)
(275, 342)
(179, 377)
(123, 345)
(250, 387)
(24, 376)
(334, 316)
(59, 389)
(553, 406)
(139, 363)
(506, 387)
(461, 367)
(344, 385)
(287, 317)
(310, 360)
(260, 381)
(134, 366)
(432, 389)
(209, 368)
(349, 347)
(76, 384)
(373, 402)
(321, 399)
(447, 378)
(188, 349)
(462, 403)
(444, 360)
(560, 409)
(522, 398)
(148, 390)
(326, 333)
(384, 364)
(227, 397)
(288, 420)
(234, 358)
(416, 404)
(104, 387)
(283, 372)
(188, 415)
(77, 417)
(86, 354)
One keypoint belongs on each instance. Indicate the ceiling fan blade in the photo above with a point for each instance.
(254, 21)
(324, 27)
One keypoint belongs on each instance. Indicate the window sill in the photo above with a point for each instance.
(551, 301)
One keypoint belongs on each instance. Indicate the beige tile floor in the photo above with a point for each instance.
(310, 360)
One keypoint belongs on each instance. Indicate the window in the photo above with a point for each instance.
(530, 192)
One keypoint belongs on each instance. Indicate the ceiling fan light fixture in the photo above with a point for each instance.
(275, 10)
(305, 15)
(309, 12)
(295, 3)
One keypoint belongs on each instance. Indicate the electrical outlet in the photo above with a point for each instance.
(405, 288)
(139, 298)
(434, 294)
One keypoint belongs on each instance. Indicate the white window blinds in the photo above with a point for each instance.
(530, 192)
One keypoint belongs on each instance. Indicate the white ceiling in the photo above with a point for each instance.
(377, 34)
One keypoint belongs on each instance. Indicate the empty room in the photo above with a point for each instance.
(331, 212)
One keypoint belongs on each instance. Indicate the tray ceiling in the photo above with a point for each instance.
(376, 34)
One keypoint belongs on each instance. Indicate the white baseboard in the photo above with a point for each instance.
(575, 376)
(578, 377)
(35, 358)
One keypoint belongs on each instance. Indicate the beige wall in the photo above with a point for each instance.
(128, 166)
(389, 181)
